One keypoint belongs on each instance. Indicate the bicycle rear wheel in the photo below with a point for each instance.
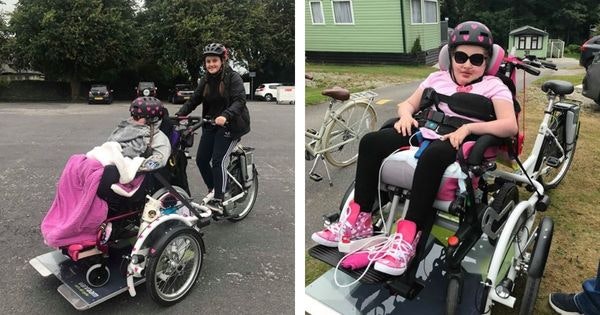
(553, 163)
(342, 136)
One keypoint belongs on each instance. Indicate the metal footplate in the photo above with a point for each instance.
(379, 293)
(75, 287)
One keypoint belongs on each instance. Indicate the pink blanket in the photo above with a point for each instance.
(77, 211)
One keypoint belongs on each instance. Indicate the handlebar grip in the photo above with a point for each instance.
(484, 142)
(549, 65)
(308, 77)
(528, 69)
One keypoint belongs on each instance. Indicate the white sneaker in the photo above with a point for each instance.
(209, 197)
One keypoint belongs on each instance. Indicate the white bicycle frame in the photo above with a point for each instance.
(315, 146)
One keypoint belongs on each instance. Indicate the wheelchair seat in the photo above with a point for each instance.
(397, 171)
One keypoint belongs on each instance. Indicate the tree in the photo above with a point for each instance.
(4, 38)
(73, 40)
(259, 34)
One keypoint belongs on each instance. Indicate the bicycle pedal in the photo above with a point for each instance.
(311, 131)
(316, 177)
(553, 162)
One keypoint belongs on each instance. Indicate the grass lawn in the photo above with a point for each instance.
(574, 251)
(358, 77)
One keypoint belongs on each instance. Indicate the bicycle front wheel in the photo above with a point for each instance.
(553, 163)
(342, 135)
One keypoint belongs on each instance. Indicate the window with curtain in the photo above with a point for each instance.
(415, 10)
(430, 11)
(316, 11)
(521, 44)
(342, 12)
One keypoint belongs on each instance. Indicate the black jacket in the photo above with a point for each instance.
(235, 111)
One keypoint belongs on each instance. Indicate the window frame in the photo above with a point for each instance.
(351, 12)
(423, 15)
(312, 19)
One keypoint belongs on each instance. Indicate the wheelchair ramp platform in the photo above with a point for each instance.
(371, 296)
(72, 274)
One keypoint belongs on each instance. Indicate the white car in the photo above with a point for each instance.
(267, 91)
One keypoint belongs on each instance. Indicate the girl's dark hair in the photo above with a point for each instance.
(221, 84)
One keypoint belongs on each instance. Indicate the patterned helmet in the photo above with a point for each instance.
(472, 33)
(215, 49)
(150, 108)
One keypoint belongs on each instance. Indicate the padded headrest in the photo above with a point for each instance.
(492, 66)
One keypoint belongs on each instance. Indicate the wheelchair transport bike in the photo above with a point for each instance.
(159, 243)
(484, 237)
(338, 137)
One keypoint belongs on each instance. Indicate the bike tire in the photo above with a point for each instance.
(155, 276)
(337, 132)
(453, 295)
(241, 210)
(555, 175)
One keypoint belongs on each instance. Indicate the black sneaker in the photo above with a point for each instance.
(216, 206)
(564, 303)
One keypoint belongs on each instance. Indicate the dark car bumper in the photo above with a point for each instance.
(100, 100)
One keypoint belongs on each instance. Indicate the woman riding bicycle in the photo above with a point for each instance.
(471, 48)
(223, 97)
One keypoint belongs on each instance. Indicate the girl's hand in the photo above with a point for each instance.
(458, 136)
(405, 124)
(221, 120)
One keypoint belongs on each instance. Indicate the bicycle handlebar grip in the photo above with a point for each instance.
(549, 65)
(308, 77)
(529, 69)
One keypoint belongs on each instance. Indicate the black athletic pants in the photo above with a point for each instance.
(212, 158)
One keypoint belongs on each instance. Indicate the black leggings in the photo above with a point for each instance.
(212, 158)
(376, 146)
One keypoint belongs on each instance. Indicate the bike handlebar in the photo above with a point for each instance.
(308, 77)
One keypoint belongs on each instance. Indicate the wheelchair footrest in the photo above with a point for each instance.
(331, 256)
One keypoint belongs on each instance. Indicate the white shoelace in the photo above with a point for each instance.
(375, 252)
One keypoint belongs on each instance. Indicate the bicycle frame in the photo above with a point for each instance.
(315, 146)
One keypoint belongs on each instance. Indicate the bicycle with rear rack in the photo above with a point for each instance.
(347, 118)
(516, 244)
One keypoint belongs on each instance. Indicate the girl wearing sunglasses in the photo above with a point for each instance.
(470, 54)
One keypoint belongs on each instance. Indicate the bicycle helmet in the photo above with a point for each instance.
(150, 108)
(215, 49)
(472, 33)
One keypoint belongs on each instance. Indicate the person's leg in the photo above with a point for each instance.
(373, 149)
(420, 216)
(355, 221)
(205, 152)
(426, 182)
(110, 176)
(223, 145)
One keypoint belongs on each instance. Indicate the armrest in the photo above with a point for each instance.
(484, 142)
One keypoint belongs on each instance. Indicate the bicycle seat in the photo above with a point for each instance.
(337, 93)
(559, 87)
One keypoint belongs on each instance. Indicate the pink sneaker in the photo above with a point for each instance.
(353, 224)
(401, 250)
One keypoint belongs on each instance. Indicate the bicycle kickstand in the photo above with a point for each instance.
(316, 177)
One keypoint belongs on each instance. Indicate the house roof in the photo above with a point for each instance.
(527, 30)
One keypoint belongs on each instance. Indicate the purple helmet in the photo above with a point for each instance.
(150, 108)
(472, 33)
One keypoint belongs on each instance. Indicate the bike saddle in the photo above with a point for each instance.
(559, 87)
(337, 93)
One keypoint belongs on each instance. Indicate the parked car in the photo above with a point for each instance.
(591, 81)
(267, 91)
(146, 86)
(181, 93)
(100, 93)
(588, 49)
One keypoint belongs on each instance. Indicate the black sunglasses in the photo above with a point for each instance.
(476, 59)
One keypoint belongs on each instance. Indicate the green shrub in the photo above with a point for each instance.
(416, 48)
